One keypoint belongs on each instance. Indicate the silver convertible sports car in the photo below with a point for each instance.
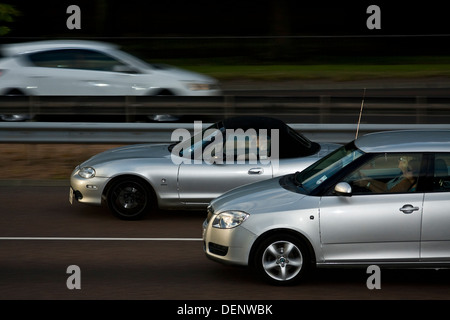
(188, 174)
(381, 200)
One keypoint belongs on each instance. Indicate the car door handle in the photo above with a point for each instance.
(408, 208)
(255, 171)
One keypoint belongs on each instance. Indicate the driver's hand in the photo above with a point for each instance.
(361, 182)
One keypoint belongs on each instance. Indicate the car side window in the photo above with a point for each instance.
(441, 178)
(387, 173)
(247, 146)
(75, 59)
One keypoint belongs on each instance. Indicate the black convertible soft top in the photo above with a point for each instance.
(292, 143)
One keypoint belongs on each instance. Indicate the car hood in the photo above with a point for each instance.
(130, 152)
(259, 197)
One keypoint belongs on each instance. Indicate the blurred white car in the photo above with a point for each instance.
(63, 67)
(90, 68)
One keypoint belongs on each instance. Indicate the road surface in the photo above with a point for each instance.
(159, 258)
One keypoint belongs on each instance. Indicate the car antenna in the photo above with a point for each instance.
(360, 114)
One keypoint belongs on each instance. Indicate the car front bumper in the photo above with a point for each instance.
(87, 190)
(228, 246)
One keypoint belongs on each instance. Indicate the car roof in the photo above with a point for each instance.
(13, 49)
(253, 122)
(291, 143)
(405, 141)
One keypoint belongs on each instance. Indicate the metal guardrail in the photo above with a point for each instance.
(127, 133)
(305, 109)
(321, 118)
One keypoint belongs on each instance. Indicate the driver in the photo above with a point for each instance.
(402, 183)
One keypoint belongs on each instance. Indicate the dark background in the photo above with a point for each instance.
(132, 18)
(244, 31)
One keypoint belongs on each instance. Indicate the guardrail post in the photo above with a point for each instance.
(421, 105)
(33, 106)
(324, 108)
(130, 109)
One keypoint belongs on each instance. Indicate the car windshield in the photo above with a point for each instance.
(317, 173)
(304, 141)
(131, 59)
(199, 141)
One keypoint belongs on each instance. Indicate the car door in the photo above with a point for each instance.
(56, 81)
(204, 179)
(107, 75)
(77, 72)
(435, 242)
(368, 226)
(200, 183)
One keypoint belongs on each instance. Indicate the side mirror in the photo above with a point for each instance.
(343, 189)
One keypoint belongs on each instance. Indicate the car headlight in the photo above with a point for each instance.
(229, 219)
(87, 172)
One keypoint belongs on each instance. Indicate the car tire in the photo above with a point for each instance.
(130, 198)
(14, 92)
(282, 260)
(15, 117)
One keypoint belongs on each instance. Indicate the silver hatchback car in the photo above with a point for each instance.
(382, 199)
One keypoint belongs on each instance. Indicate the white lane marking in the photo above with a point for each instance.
(100, 239)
